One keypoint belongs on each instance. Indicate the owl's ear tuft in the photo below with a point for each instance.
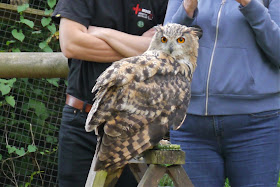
(198, 31)
(159, 28)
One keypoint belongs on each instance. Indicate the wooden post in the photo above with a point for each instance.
(179, 176)
(165, 161)
(152, 176)
(106, 179)
(138, 170)
(160, 162)
(100, 178)
(165, 157)
(112, 178)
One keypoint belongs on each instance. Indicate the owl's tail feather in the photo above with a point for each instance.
(122, 163)
(114, 165)
(113, 150)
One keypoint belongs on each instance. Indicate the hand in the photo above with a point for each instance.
(190, 6)
(150, 32)
(244, 2)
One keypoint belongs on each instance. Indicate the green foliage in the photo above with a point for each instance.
(48, 12)
(10, 100)
(10, 42)
(45, 35)
(38, 107)
(21, 151)
(32, 177)
(45, 47)
(165, 181)
(45, 21)
(53, 81)
(51, 3)
(51, 139)
(22, 7)
(33, 111)
(52, 28)
(16, 50)
(27, 22)
(5, 88)
(11, 149)
(227, 183)
(6, 85)
(18, 34)
(32, 148)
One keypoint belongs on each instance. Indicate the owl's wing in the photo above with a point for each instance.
(126, 70)
(134, 116)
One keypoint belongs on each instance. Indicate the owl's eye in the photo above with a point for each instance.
(163, 39)
(181, 40)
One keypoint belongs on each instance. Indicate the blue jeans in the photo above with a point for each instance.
(244, 148)
(76, 150)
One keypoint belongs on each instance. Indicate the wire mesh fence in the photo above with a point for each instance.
(27, 27)
(29, 131)
(30, 109)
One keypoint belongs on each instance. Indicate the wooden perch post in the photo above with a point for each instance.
(150, 169)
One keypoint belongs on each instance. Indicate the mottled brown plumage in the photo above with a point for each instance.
(139, 98)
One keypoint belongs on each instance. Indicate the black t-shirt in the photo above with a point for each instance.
(130, 16)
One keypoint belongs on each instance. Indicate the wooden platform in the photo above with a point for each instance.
(149, 169)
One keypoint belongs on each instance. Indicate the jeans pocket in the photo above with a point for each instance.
(266, 114)
(73, 117)
(70, 115)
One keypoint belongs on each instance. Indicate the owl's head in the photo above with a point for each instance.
(177, 40)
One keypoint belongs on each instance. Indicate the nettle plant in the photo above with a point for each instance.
(46, 31)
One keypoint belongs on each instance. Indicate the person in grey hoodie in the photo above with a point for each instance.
(232, 129)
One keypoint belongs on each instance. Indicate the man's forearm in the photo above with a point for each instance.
(90, 48)
(77, 43)
(126, 44)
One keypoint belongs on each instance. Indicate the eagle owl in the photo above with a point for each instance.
(139, 98)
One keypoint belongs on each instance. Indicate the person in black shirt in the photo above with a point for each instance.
(92, 35)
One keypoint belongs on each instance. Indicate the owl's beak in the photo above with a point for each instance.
(171, 49)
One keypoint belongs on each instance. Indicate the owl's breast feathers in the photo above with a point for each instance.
(137, 100)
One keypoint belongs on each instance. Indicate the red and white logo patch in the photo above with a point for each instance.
(142, 12)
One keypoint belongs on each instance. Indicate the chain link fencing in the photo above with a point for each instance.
(29, 133)
(30, 109)
(27, 27)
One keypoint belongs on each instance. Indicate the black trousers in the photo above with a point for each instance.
(76, 150)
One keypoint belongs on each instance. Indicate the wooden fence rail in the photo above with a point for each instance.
(33, 65)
